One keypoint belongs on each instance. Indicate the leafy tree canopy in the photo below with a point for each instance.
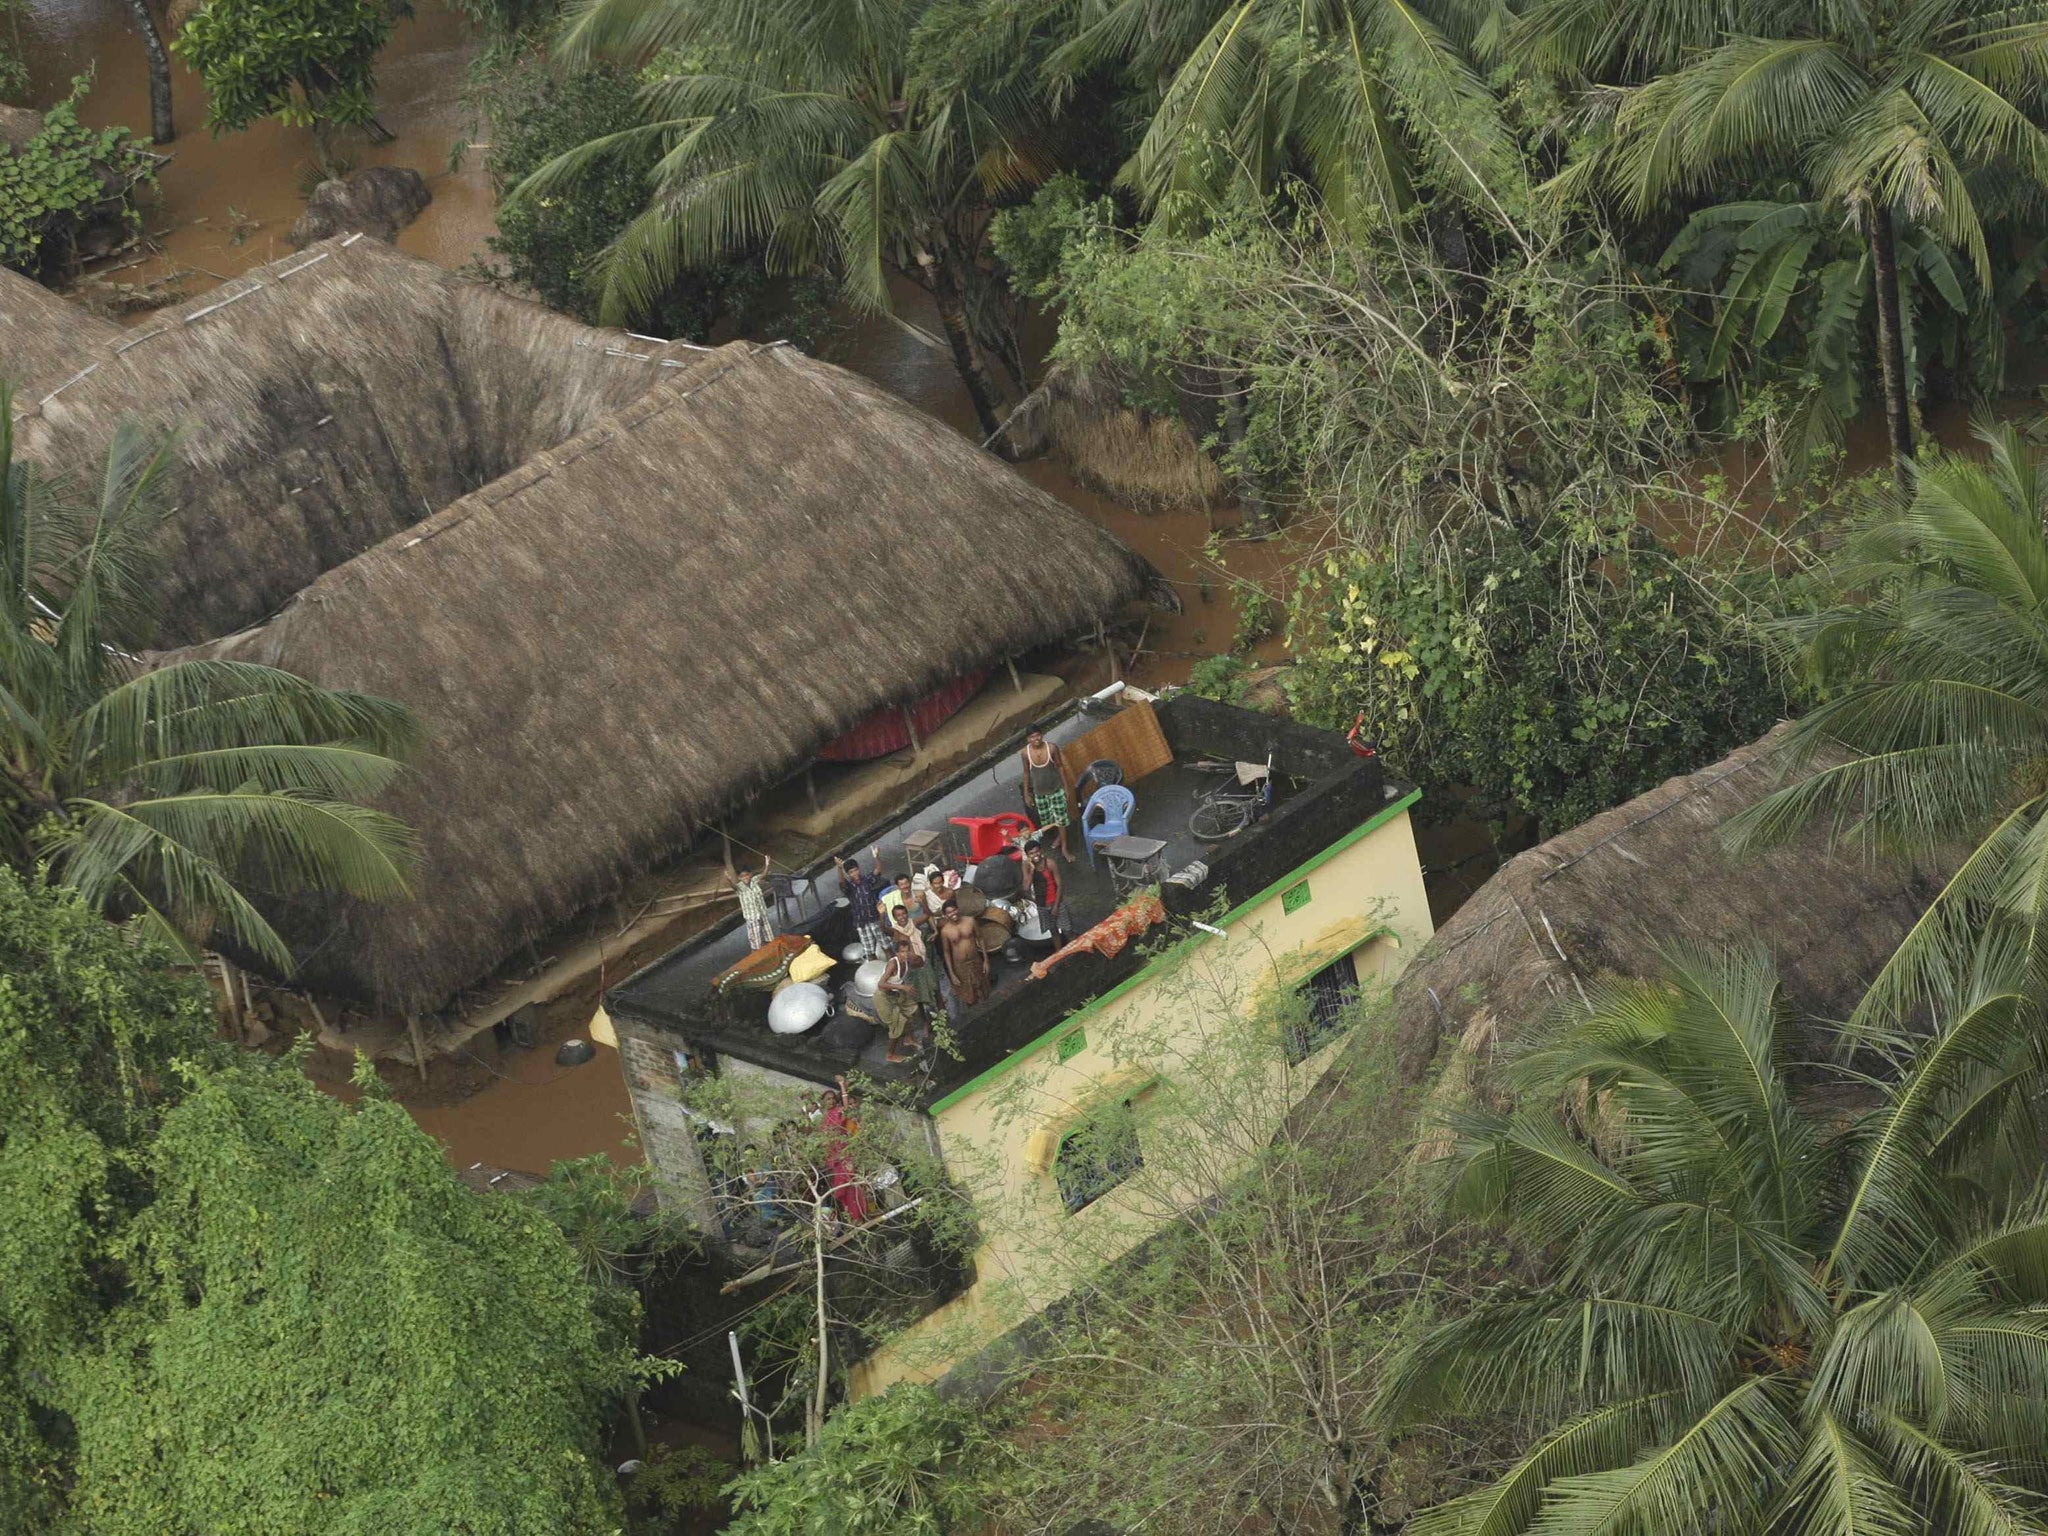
(302, 61)
(886, 1466)
(231, 1303)
(90, 1026)
(331, 1333)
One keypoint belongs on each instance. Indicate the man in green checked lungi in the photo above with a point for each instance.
(1045, 787)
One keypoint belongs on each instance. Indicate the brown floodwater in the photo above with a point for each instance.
(226, 205)
(228, 201)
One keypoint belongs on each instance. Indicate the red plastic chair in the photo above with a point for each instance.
(988, 835)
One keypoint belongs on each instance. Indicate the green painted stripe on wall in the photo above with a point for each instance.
(1075, 1019)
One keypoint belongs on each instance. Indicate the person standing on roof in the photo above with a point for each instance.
(863, 893)
(1045, 786)
(752, 891)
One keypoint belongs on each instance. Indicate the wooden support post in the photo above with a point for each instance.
(1108, 649)
(725, 840)
(811, 788)
(419, 1046)
(910, 724)
(1016, 682)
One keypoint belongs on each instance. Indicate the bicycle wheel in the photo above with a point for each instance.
(1215, 820)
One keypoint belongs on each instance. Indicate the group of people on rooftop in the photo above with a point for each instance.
(933, 957)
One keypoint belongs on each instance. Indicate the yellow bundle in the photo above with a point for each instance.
(810, 965)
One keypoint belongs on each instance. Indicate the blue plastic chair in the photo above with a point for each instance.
(1116, 803)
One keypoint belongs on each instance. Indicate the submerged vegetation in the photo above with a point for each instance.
(1539, 331)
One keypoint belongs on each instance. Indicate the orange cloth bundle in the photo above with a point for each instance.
(1108, 937)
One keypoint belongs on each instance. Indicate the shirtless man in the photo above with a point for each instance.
(966, 965)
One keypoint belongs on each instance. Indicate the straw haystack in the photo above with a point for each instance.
(1138, 457)
(325, 402)
(635, 629)
(43, 337)
(1608, 894)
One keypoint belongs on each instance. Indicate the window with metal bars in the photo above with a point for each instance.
(1096, 1158)
(1331, 995)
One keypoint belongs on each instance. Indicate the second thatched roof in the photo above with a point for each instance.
(624, 637)
(1613, 893)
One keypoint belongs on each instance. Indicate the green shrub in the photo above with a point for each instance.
(1221, 678)
(894, 1465)
(63, 180)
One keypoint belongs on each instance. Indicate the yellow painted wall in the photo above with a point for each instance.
(1366, 899)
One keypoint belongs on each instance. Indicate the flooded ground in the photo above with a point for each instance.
(227, 202)
(226, 206)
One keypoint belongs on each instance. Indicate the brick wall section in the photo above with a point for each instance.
(667, 1135)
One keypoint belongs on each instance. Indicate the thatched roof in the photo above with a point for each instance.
(632, 631)
(42, 335)
(1605, 896)
(326, 402)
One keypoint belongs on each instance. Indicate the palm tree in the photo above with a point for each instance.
(1756, 1316)
(861, 136)
(1791, 295)
(1893, 115)
(1929, 644)
(1355, 95)
(170, 793)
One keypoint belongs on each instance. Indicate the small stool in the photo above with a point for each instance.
(1134, 862)
(922, 848)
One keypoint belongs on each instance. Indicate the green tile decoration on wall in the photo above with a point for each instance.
(1295, 897)
(1072, 1044)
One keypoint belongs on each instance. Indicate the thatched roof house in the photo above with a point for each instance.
(325, 402)
(43, 336)
(1608, 894)
(633, 630)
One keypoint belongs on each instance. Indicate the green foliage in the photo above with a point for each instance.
(1221, 678)
(676, 1488)
(61, 180)
(175, 795)
(1258, 616)
(301, 61)
(1924, 639)
(13, 68)
(1364, 98)
(1757, 1316)
(1493, 603)
(555, 244)
(331, 1333)
(1918, 120)
(898, 1464)
(864, 141)
(1031, 239)
(90, 1025)
(1560, 671)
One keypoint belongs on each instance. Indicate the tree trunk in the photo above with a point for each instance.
(1891, 339)
(814, 1418)
(1257, 512)
(161, 129)
(953, 319)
